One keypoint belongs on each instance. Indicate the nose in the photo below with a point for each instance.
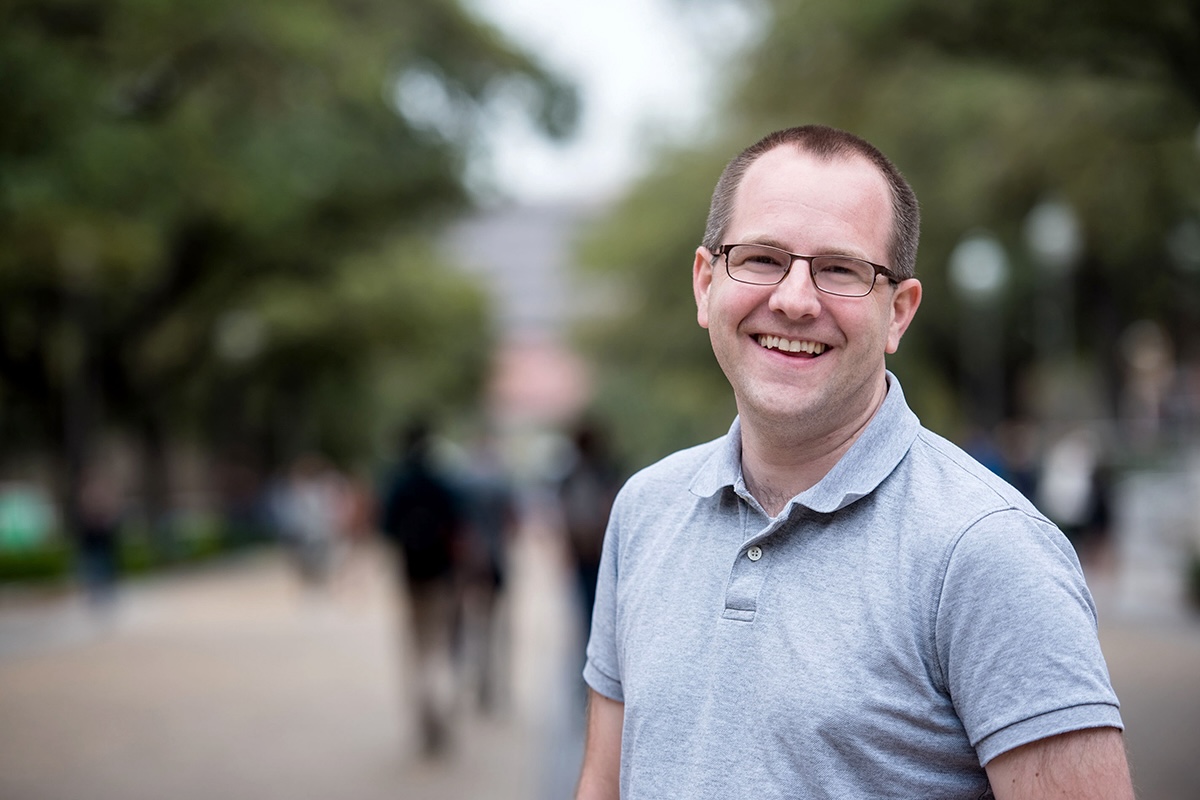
(796, 296)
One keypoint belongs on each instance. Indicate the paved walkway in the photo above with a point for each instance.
(231, 682)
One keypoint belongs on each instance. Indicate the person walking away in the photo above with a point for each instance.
(586, 494)
(422, 518)
(310, 507)
(99, 529)
(490, 501)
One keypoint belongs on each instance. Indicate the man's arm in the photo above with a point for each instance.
(600, 778)
(1082, 764)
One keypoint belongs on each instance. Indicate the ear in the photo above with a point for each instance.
(702, 274)
(905, 299)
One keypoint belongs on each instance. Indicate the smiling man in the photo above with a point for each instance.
(832, 601)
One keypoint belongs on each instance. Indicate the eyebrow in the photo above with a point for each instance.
(770, 241)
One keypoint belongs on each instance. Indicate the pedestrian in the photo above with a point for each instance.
(585, 494)
(310, 508)
(99, 536)
(490, 501)
(422, 517)
(831, 601)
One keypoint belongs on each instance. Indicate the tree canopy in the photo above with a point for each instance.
(217, 216)
(990, 109)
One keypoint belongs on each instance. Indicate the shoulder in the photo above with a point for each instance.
(950, 478)
(674, 488)
(950, 508)
(676, 471)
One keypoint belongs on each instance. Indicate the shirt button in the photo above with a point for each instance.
(754, 553)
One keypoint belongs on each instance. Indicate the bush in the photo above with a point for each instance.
(50, 561)
(196, 539)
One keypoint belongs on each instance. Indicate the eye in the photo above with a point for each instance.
(758, 258)
(837, 267)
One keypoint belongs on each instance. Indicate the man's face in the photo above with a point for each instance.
(793, 201)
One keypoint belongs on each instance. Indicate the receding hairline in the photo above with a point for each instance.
(828, 145)
(843, 155)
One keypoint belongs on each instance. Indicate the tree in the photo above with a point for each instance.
(1155, 42)
(988, 108)
(656, 376)
(165, 165)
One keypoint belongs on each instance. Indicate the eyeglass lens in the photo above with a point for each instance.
(767, 265)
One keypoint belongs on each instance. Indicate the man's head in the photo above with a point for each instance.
(804, 348)
(825, 143)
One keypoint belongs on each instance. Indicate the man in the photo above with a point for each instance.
(490, 503)
(421, 515)
(832, 601)
(586, 493)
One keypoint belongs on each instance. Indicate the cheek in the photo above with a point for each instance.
(728, 304)
(711, 310)
(868, 330)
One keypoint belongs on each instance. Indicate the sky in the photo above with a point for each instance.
(644, 69)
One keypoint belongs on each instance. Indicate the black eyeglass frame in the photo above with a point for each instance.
(724, 249)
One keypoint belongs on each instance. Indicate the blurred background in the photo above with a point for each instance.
(244, 246)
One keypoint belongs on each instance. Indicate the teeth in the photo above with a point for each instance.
(791, 345)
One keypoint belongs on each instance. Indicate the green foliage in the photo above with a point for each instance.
(988, 108)
(1157, 41)
(658, 378)
(386, 335)
(178, 175)
(199, 538)
(47, 562)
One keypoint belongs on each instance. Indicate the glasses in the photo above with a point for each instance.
(767, 266)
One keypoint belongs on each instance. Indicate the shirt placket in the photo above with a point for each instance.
(751, 563)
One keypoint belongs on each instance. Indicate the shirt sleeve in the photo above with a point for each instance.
(602, 670)
(1017, 637)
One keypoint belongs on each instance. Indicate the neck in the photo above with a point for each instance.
(782, 458)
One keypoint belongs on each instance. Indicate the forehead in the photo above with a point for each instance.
(815, 202)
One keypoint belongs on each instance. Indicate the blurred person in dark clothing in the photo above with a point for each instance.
(489, 499)
(422, 516)
(585, 493)
(100, 511)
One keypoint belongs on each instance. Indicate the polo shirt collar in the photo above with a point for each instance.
(869, 460)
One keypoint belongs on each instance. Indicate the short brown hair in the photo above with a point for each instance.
(828, 144)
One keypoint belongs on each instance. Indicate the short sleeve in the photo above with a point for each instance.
(1016, 636)
(601, 671)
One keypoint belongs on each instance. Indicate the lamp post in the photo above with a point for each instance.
(979, 273)
(239, 336)
(1053, 237)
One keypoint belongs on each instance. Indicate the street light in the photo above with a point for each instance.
(1054, 239)
(979, 267)
(239, 336)
(1053, 236)
(979, 272)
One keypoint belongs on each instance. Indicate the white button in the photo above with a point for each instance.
(754, 553)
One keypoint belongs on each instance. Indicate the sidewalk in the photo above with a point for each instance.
(231, 682)
(1156, 672)
(1153, 654)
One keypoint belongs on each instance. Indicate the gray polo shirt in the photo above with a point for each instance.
(897, 626)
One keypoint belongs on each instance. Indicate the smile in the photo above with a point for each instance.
(791, 345)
